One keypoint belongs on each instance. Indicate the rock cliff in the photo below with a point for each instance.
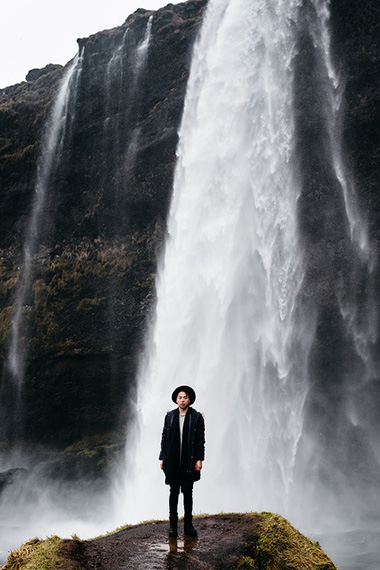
(100, 232)
(103, 223)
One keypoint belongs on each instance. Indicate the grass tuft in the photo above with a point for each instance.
(282, 547)
(35, 554)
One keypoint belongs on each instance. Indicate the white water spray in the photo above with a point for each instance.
(333, 106)
(51, 150)
(227, 321)
(121, 82)
(35, 504)
(361, 327)
(143, 48)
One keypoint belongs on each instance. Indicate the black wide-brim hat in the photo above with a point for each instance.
(189, 391)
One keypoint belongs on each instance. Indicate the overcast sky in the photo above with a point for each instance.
(34, 33)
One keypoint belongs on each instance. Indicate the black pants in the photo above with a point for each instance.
(187, 503)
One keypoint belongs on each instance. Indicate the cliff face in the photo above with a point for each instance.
(341, 283)
(103, 222)
(100, 226)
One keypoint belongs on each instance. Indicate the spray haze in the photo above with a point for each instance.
(227, 320)
(238, 315)
(265, 288)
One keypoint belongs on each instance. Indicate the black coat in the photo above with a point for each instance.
(182, 470)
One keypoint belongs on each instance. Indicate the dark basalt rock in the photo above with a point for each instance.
(104, 221)
(102, 228)
(37, 73)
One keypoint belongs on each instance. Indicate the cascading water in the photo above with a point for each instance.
(56, 131)
(39, 501)
(333, 117)
(51, 148)
(143, 47)
(236, 317)
(22, 500)
(337, 451)
(123, 75)
(363, 330)
(228, 322)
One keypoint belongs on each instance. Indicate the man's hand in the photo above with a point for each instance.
(198, 465)
(161, 464)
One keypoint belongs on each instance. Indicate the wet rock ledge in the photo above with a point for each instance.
(254, 541)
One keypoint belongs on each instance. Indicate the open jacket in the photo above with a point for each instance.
(182, 469)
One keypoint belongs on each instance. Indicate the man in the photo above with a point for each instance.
(182, 453)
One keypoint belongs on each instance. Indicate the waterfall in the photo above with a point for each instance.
(363, 328)
(57, 127)
(338, 455)
(122, 74)
(123, 77)
(143, 47)
(50, 155)
(228, 319)
(276, 335)
(42, 499)
(334, 90)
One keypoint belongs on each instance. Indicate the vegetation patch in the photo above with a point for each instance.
(36, 554)
(249, 541)
(282, 547)
(246, 563)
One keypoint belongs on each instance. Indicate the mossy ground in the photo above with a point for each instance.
(35, 554)
(282, 547)
(266, 541)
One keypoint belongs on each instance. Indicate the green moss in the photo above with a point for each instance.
(5, 324)
(282, 547)
(148, 283)
(275, 545)
(246, 563)
(75, 291)
(93, 450)
(35, 555)
(9, 277)
(89, 304)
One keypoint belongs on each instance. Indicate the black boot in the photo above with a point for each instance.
(189, 530)
(173, 529)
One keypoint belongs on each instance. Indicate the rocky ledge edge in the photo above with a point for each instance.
(257, 541)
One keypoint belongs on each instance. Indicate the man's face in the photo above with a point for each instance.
(183, 400)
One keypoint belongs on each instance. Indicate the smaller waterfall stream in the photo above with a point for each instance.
(123, 78)
(122, 74)
(56, 130)
(55, 133)
(143, 47)
(41, 500)
(339, 450)
(363, 328)
(321, 33)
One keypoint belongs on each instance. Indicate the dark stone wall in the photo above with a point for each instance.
(104, 224)
(339, 277)
(102, 228)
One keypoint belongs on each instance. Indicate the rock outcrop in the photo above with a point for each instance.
(101, 229)
(92, 286)
(246, 542)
